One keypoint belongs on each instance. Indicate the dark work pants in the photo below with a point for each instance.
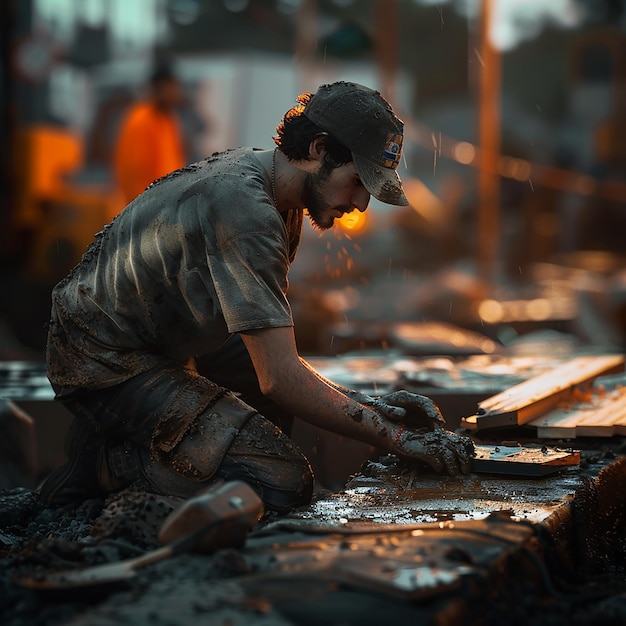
(232, 367)
(192, 429)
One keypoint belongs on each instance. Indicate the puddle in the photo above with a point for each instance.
(400, 498)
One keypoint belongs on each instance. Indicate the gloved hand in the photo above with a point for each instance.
(414, 410)
(443, 451)
(388, 411)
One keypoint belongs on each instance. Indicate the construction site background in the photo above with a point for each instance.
(547, 140)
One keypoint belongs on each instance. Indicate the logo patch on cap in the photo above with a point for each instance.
(392, 151)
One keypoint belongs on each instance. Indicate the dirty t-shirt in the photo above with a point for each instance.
(201, 254)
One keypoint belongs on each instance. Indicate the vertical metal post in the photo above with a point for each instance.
(306, 43)
(489, 127)
(386, 45)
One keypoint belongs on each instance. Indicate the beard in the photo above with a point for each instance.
(314, 203)
(313, 200)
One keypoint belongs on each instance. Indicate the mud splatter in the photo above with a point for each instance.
(355, 414)
(194, 167)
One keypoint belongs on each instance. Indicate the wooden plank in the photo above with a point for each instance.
(620, 426)
(523, 403)
(522, 460)
(601, 422)
(558, 424)
(604, 417)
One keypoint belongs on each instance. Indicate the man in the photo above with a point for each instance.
(150, 143)
(172, 341)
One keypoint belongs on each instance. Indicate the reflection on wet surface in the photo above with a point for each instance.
(390, 495)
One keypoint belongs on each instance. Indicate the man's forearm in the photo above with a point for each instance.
(318, 401)
(291, 382)
(288, 380)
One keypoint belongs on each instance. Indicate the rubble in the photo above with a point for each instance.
(375, 549)
(393, 542)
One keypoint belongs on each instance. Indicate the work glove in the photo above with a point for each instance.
(414, 410)
(443, 451)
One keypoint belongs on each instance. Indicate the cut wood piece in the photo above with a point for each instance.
(604, 418)
(558, 424)
(528, 400)
(601, 422)
(522, 460)
(620, 426)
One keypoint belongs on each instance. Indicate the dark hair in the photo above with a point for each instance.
(296, 132)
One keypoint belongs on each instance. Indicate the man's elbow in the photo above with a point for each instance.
(270, 388)
(280, 389)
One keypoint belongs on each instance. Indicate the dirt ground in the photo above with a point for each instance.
(291, 576)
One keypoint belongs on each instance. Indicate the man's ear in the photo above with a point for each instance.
(317, 148)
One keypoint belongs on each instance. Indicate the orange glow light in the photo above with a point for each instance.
(354, 222)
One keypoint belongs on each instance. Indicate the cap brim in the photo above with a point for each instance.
(382, 182)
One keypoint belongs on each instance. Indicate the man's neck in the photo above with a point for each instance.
(286, 177)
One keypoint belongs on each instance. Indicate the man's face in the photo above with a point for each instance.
(331, 192)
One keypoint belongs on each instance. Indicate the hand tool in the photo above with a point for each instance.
(217, 517)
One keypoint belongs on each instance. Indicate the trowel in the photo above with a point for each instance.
(215, 518)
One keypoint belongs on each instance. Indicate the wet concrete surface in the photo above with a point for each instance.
(461, 498)
(395, 544)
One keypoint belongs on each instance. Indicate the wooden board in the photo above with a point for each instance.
(605, 416)
(522, 460)
(558, 424)
(525, 402)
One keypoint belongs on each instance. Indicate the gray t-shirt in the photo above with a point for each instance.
(201, 254)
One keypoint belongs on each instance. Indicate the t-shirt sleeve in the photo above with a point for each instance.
(250, 279)
(250, 263)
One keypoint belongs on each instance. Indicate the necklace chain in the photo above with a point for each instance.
(273, 177)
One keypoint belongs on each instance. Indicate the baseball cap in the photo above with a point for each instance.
(364, 122)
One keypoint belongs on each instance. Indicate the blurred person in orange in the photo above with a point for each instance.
(150, 143)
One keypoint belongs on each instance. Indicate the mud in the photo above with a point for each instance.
(288, 571)
(444, 451)
(356, 415)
